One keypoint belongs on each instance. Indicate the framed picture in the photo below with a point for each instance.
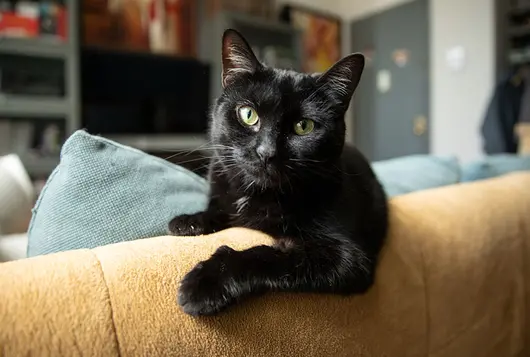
(159, 26)
(321, 36)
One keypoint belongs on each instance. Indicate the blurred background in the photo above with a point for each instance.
(443, 77)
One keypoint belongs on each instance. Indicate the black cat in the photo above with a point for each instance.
(280, 166)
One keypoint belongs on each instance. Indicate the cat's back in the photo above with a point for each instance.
(355, 163)
(360, 185)
(364, 196)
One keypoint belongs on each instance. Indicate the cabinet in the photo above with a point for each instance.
(512, 34)
(64, 109)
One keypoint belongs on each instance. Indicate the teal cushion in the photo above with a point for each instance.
(493, 166)
(103, 192)
(416, 172)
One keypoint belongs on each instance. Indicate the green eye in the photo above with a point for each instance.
(247, 115)
(304, 127)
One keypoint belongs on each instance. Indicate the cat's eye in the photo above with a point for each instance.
(247, 115)
(304, 126)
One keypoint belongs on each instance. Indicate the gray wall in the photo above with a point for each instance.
(458, 99)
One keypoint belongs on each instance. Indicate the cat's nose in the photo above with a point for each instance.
(265, 153)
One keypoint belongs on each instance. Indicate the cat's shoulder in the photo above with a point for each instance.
(353, 159)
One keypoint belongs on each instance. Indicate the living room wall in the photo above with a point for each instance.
(458, 98)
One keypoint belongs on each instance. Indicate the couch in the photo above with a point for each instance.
(453, 281)
(13, 247)
(16, 200)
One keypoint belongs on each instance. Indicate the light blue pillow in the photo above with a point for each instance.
(103, 192)
(493, 166)
(416, 172)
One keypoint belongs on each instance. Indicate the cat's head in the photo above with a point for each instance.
(273, 125)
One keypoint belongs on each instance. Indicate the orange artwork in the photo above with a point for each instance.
(320, 39)
(163, 26)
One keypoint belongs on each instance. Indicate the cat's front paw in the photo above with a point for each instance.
(209, 287)
(187, 225)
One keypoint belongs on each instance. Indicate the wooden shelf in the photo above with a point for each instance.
(516, 57)
(260, 23)
(519, 31)
(19, 107)
(109, 51)
(33, 107)
(157, 142)
(39, 166)
(520, 10)
(37, 47)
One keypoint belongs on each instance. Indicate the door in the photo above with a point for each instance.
(392, 105)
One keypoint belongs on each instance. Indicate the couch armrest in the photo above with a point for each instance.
(451, 282)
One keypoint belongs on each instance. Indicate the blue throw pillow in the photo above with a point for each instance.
(493, 166)
(416, 172)
(103, 192)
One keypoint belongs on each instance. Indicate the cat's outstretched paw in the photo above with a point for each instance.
(187, 225)
(209, 287)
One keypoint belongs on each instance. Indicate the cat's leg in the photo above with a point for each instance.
(209, 221)
(229, 276)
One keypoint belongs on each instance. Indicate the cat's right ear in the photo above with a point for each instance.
(238, 57)
(343, 77)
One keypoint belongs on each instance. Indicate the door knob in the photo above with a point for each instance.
(419, 126)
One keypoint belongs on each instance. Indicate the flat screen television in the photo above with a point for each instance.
(144, 96)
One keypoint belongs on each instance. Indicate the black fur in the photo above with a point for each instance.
(319, 199)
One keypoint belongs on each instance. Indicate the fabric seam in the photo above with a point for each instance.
(426, 304)
(35, 210)
(114, 329)
(524, 263)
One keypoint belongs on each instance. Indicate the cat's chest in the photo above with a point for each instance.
(260, 213)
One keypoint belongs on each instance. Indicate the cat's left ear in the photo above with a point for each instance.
(343, 77)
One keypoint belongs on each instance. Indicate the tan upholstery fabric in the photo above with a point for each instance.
(453, 282)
